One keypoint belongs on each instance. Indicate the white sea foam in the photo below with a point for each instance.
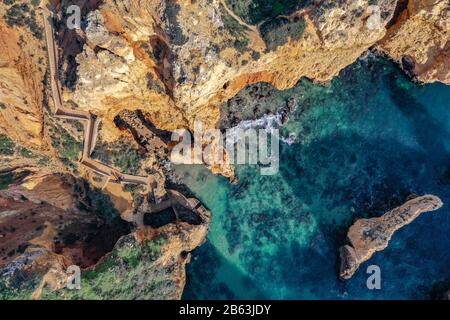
(269, 122)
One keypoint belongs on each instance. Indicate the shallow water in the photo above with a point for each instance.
(366, 141)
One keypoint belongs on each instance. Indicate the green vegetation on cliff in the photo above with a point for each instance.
(17, 285)
(129, 272)
(238, 31)
(14, 293)
(67, 146)
(7, 146)
(271, 17)
(121, 154)
(23, 15)
(277, 32)
(257, 11)
(5, 180)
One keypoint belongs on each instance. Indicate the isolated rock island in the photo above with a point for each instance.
(367, 236)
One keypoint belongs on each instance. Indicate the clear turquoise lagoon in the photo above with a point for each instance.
(365, 142)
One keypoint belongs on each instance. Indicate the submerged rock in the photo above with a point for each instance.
(367, 236)
(447, 295)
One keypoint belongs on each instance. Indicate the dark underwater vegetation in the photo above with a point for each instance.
(366, 141)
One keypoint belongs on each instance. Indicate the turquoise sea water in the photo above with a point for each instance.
(366, 141)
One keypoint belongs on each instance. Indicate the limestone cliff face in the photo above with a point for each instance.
(178, 60)
(116, 70)
(56, 190)
(420, 40)
(22, 69)
(367, 236)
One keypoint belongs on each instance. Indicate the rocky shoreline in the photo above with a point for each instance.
(148, 70)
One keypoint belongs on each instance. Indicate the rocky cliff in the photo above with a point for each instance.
(22, 70)
(180, 60)
(145, 265)
(367, 236)
(147, 68)
(420, 40)
(49, 222)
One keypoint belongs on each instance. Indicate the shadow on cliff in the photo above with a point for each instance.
(69, 40)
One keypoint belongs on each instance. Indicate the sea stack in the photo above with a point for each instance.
(367, 236)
